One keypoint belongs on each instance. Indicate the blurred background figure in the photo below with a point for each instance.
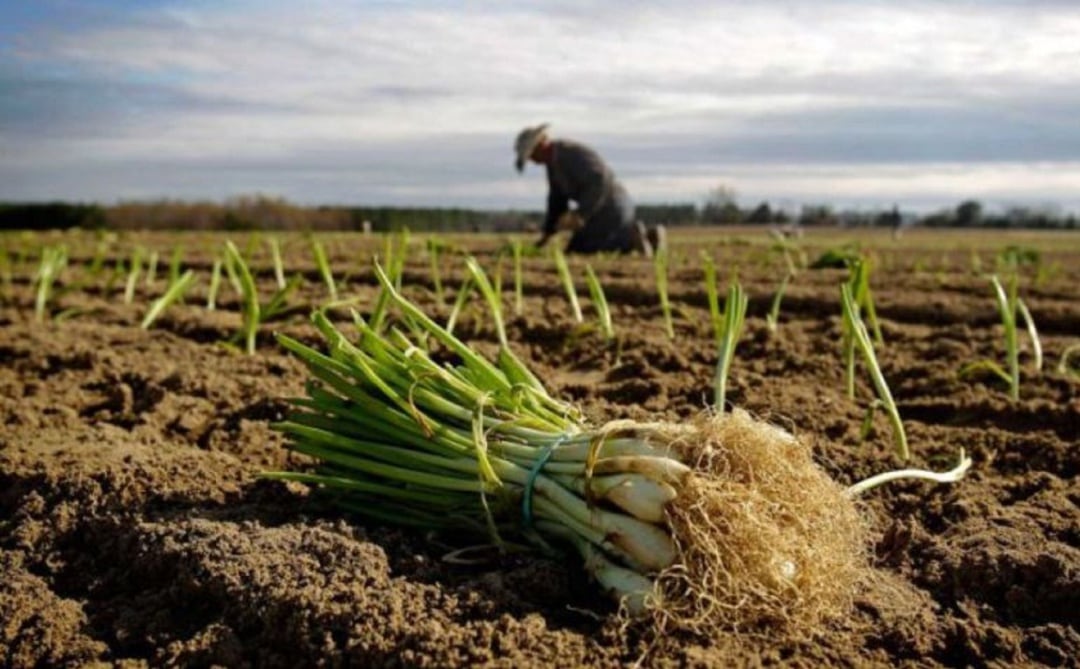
(603, 219)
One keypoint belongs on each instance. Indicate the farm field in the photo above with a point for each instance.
(134, 528)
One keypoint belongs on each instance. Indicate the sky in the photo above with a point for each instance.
(850, 103)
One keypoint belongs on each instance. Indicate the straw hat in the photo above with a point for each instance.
(527, 140)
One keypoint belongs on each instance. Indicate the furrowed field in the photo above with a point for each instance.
(134, 527)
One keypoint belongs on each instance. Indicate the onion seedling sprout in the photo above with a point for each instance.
(118, 271)
(279, 266)
(174, 293)
(490, 294)
(395, 263)
(98, 262)
(230, 271)
(515, 250)
(773, 317)
(324, 268)
(462, 297)
(730, 331)
(53, 261)
(568, 284)
(151, 270)
(215, 284)
(859, 280)
(600, 303)
(787, 248)
(861, 340)
(249, 296)
(433, 248)
(660, 269)
(1008, 307)
(1006, 302)
(175, 260)
(134, 266)
(1036, 344)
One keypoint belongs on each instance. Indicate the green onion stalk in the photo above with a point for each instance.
(677, 521)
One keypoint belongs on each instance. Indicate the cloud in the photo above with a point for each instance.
(387, 101)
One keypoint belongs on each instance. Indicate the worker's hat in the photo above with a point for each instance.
(527, 140)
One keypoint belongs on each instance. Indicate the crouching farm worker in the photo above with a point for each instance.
(604, 217)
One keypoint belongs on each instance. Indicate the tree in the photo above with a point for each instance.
(721, 208)
(762, 214)
(969, 213)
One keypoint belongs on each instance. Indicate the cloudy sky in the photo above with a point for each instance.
(854, 103)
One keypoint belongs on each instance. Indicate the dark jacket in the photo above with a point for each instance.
(577, 173)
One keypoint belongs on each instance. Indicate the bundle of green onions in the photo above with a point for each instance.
(720, 523)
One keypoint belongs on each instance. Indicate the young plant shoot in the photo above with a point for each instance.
(860, 339)
(660, 268)
(174, 293)
(433, 248)
(279, 266)
(1009, 306)
(254, 312)
(519, 302)
(713, 294)
(133, 268)
(728, 336)
(53, 261)
(773, 317)
(215, 284)
(568, 284)
(324, 268)
(249, 296)
(600, 303)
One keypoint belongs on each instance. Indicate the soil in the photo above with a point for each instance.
(134, 529)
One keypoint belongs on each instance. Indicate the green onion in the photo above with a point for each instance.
(859, 280)
(98, 261)
(133, 274)
(249, 296)
(861, 340)
(515, 249)
(773, 317)
(175, 260)
(151, 270)
(174, 293)
(324, 268)
(660, 269)
(1006, 302)
(279, 266)
(1033, 334)
(568, 284)
(600, 303)
(433, 247)
(215, 283)
(53, 261)
(730, 331)
(396, 267)
(480, 448)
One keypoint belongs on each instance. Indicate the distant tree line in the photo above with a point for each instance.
(270, 213)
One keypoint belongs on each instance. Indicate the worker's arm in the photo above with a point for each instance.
(557, 205)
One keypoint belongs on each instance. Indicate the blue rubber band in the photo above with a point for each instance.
(526, 499)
